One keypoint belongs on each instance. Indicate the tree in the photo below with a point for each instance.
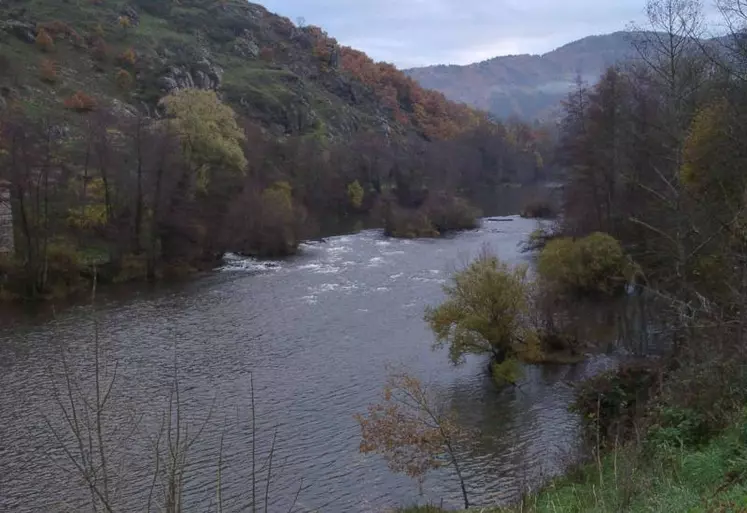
(124, 80)
(211, 138)
(355, 194)
(48, 71)
(485, 310)
(44, 41)
(413, 430)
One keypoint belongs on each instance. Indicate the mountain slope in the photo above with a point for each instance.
(291, 79)
(528, 86)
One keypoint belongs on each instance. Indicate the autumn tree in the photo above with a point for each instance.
(414, 430)
(211, 138)
(124, 80)
(485, 312)
(44, 41)
(48, 71)
(355, 194)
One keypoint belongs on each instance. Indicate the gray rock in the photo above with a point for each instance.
(131, 12)
(244, 47)
(3, 104)
(201, 75)
(26, 32)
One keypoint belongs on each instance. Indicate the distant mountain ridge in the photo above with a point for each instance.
(527, 86)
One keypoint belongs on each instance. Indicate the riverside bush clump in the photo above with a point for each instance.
(438, 215)
(595, 264)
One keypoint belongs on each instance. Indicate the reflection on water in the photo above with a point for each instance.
(317, 333)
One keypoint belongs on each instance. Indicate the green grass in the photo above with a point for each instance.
(711, 478)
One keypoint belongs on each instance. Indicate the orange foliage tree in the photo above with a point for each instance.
(44, 41)
(80, 102)
(48, 71)
(429, 111)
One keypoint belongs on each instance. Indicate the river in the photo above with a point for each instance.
(316, 334)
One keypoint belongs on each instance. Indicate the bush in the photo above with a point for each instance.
(48, 71)
(438, 215)
(132, 268)
(538, 239)
(539, 208)
(407, 223)
(124, 80)
(593, 265)
(80, 102)
(44, 41)
(611, 403)
(451, 213)
(64, 267)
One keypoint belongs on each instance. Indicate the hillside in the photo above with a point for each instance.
(148, 136)
(287, 77)
(528, 86)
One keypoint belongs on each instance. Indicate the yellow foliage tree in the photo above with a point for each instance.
(355, 194)
(211, 138)
(485, 312)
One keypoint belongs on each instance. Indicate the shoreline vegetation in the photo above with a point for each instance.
(653, 204)
(149, 139)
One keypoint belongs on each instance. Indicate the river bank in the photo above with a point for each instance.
(665, 478)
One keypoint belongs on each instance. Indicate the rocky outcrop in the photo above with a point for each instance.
(26, 32)
(245, 47)
(200, 75)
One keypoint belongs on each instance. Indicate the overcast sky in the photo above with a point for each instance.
(423, 32)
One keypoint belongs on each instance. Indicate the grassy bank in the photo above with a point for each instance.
(645, 478)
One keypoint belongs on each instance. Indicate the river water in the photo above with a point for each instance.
(316, 334)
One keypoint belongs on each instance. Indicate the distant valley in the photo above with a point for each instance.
(528, 86)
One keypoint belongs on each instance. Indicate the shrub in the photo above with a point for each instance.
(439, 214)
(100, 50)
(124, 80)
(539, 207)
(355, 194)
(44, 41)
(449, 213)
(278, 230)
(538, 239)
(127, 58)
(611, 403)
(48, 71)
(407, 223)
(80, 102)
(132, 268)
(593, 265)
(64, 267)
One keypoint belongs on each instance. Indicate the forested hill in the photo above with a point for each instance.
(148, 135)
(528, 86)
